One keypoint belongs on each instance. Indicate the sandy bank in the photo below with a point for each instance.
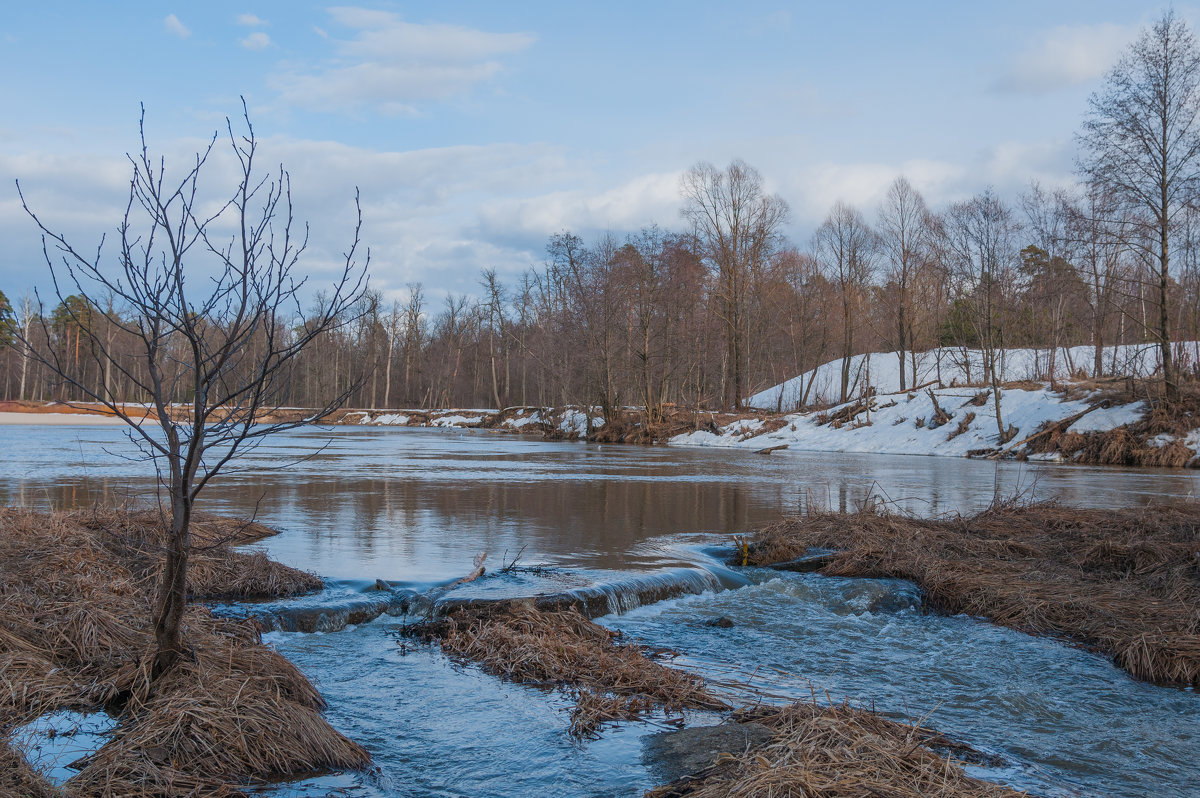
(58, 419)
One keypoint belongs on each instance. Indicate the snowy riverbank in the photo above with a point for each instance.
(904, 423)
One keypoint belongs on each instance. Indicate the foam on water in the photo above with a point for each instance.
(1066, 721)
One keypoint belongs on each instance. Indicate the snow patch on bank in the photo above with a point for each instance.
(951, 366)
(900, 424)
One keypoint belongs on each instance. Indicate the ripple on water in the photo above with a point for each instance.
(1069, 722)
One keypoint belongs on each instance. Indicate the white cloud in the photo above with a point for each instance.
(635, 203)
(250, 20)
(420, 208)
(257, 41)
(391, 64)
(1007, 167)
(1066, 56)
(175, 27)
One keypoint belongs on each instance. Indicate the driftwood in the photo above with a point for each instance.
(471, 577)
(940, 416)
(770, 449)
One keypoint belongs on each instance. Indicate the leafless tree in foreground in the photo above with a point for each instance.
(213, 306)
(1141, 144)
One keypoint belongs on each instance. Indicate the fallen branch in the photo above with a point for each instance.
(1059, 425)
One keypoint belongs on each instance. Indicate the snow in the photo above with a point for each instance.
(455, 421)
(574, 422)
(388, 420)
(893, 425)
(955, 366)
(1107, 418)
(523, 421)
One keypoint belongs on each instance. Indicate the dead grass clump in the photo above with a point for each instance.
(1154, 441)
(17, 778)
(979, 399)
(609, 680)
(1125, 583)
(75, 633)
(838, 752)
(215, 571)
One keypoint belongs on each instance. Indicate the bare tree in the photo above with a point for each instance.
(1141, 143)
(221, 347)
(739, 223)
(392, 329)
(495, 326)
(1098, 232)
(846, 245)
(980, 242)
(904, 236)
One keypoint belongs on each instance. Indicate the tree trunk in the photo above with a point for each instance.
(172, 590)
(1164, 321)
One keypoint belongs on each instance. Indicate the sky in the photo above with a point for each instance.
(475, 130)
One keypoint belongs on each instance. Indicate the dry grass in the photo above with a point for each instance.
(1138, 444)
(630, 426)
(837, 752)
(609, 680)
(18, 779)
(1125, 583)
(75, 600)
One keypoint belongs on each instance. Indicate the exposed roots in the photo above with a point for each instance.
(609, 680)
(75, 634)
(1125, 583)
(837, 752)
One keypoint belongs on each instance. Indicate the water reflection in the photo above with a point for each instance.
(418, 504)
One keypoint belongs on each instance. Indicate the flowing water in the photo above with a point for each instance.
(626, 527)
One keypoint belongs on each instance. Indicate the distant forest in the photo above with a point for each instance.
(725, 305)
(647, 319)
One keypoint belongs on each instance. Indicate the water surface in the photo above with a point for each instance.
(415, 506)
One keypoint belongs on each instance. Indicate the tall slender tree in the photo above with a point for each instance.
(1141, 142)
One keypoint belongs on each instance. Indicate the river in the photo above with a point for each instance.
(413, 507)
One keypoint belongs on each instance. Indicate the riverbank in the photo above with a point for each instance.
(75, 604)
(1125, 423)
(1124, 583)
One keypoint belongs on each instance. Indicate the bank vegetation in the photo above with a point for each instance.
(75, 635)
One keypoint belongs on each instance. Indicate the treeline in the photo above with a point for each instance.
(708, 314)
(663, 316)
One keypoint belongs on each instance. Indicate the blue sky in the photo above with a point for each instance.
(477, 129)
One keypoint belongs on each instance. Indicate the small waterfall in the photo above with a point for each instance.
(329, 611)
(348, 604)
(607, 598)
(641, 589)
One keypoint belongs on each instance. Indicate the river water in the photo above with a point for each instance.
(413, 507)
